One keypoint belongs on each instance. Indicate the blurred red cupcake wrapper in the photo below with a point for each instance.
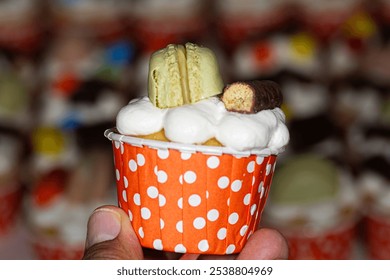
(46, 249)
(188, 198)
(377, 233)
(10, 202)
(332, 244)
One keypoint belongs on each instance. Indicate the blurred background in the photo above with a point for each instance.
(68, 66)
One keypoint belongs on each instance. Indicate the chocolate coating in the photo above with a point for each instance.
(252, 96)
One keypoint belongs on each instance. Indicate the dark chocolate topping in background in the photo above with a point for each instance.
(268, 95)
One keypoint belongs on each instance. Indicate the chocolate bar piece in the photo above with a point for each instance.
(252, 97)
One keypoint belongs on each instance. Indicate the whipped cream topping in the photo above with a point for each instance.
(206, 119)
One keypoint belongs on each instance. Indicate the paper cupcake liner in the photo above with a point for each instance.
(10, 202)
(377, 234)
(190, 200)
(333, 244)
(48, 250)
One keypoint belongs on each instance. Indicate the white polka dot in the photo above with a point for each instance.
(213, 162)
(179, 226)
(228, 202)
(163, 154)
(212, 215)
(236, 185)
(207, 194)
(250, 167)
(181, 179)
(152, 192)
(157, 244)
(162, 176)
(223, 182)
(130, 215)
(180, 203)
(161, 200)
(137, 199)
(203, 245)
(122, 148)
(140, 159)
(247, 199)
(189, 177)
(141, 232)
(145, 213)
(253, 180)
(185, 155)
(125, 181)
(132, 165)
(155, 170)
(262, 190)
(124, 195)
(261, 187)
(117, 174)
(117, 144)
(233, 218)
(259, 160)
(230, 249)
(221, 234)
(179, 248)
(253, 209)
(268, 169)
(199, 223)
(194, 200)
(162, 223)
(249, 234)
(243, 230)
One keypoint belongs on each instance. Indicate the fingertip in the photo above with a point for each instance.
(111, 236)
(265, 244)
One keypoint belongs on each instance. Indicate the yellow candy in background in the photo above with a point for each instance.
(48, 141)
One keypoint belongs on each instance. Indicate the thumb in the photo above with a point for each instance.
(110, 236)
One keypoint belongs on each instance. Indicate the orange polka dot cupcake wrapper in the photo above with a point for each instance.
(188, 201)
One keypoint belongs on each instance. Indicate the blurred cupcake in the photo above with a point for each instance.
(314, 204)
(14, 100)
(58, 210)
(104, 20)
(324, 18)
(312, 129)
(10, 178)
(21, 28)
(177, 21)
(269, 57)
(238, 21)
(373, 148)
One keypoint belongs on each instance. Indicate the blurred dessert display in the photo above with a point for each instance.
(157, 23)
(314, 204)
(68, 66)
(21, 26)
(11, 152)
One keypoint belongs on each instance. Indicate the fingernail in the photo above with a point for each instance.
(103, 225)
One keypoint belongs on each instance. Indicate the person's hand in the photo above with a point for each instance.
(110, 236)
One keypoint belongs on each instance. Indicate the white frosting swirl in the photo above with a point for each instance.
(206, 119)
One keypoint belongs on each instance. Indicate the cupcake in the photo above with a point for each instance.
(325, 18)
(101, 19)
(314, 205)
(193, 170)
(273, 56)
(21, 29)
(14, 100)
(178, 21)
(57, 211)
(10, 179)
(374, 182)
(238, 21)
